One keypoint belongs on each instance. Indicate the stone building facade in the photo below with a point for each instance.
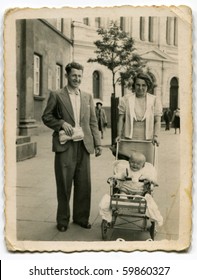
(156, 40)
(43, 48)
(42, 52)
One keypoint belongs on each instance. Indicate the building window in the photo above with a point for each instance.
(131, 27)
(142, 28)
(122, 23)
(172, 31)
(37, 75)
(168, 30)
(98, 22)
(59, 24)
(58, 76)
(175, 31)
(86, 21)
(150, 29)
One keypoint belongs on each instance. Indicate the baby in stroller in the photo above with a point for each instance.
(135, 177)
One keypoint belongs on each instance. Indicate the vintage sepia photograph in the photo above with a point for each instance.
(98, 129)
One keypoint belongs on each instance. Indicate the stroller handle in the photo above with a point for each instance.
(138, 141)
(135, 141)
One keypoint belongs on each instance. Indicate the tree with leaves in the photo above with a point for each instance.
(116, 51)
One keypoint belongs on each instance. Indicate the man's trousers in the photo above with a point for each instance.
(72, 167)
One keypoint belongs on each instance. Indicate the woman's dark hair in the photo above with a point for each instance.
(148, 80)
(74, 65)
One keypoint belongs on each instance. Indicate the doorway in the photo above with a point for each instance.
(174, 94)
(96, 84)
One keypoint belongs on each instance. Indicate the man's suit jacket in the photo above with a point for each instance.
(59, 110)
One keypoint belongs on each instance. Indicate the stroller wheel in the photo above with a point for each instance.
(152, 230)
(114, 217)
(104, 229)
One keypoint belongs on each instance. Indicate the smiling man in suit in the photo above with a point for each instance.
(70, 112)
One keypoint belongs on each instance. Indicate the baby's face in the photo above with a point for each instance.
(136, 163)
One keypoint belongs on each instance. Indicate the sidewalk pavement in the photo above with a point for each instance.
(36, 194)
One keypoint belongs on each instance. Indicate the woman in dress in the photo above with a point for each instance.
(140, 112)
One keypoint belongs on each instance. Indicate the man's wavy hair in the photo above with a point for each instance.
(72, 65)
(148, 80)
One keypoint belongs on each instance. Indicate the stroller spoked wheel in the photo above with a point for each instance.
(114, 217)
(152, 230)
(104, 229)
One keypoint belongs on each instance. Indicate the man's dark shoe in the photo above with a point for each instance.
(62, 228)
(83, 225)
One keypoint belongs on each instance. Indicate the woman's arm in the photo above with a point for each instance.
(120, 127)
(121, 117)
(157, 120)
(157, 125)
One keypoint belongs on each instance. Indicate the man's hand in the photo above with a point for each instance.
(98, 151)
(67, 128)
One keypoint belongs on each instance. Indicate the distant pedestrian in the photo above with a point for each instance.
(167, 118)
(176, 120)
(101, 118)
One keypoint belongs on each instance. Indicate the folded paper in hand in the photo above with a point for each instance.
(77, 135)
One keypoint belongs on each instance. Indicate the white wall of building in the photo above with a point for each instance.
(162, 57)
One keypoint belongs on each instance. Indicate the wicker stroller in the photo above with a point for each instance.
(128, 210)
